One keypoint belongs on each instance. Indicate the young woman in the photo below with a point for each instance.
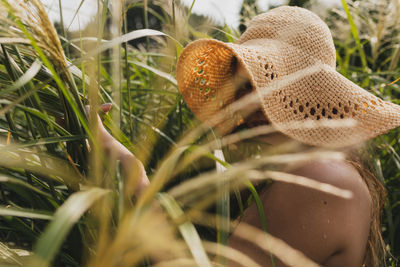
(284, 67)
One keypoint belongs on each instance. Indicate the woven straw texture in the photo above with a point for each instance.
(289, 57)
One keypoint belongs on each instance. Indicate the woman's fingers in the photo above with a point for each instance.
(105, 138)
(105, 108)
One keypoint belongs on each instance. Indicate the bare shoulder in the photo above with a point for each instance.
(341, 174)
(330, 230)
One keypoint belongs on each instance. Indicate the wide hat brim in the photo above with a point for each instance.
(301, 96)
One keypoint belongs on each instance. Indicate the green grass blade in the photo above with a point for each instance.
(190, 11)
(63, 29)
(223, 205)
(153, 128)
(125, 38)
(53, 140)
(23, 99)
(38, 114)
(128, 80)
(260, 210)
(388, 211)
(121, 190)
(25, 78)
(354, 32)
(65, 217)
(26, 213)
(157, 72)
(76, 13)
(187, 230)
(11, 180)
(395, 58)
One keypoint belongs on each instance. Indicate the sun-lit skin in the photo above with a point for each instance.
(131, 166)
(329, 230)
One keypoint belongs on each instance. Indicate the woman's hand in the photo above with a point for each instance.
(133, 170)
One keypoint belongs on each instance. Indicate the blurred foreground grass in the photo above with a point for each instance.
(64, 206)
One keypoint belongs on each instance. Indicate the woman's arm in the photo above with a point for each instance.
(132, 168)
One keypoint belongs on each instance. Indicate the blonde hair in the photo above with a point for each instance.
(375, 252)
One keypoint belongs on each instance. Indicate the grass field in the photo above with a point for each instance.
(63, 205)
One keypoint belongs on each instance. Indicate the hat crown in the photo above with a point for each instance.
(297, 27)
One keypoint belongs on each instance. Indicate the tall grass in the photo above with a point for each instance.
(62, 205)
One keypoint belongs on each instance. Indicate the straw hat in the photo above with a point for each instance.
(289, 57)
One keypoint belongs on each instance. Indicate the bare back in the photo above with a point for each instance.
(331, 231)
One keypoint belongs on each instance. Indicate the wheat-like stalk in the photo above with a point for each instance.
(33, 17)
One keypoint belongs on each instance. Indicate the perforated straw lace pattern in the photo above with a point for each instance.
(289, 57)
(308, 115)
